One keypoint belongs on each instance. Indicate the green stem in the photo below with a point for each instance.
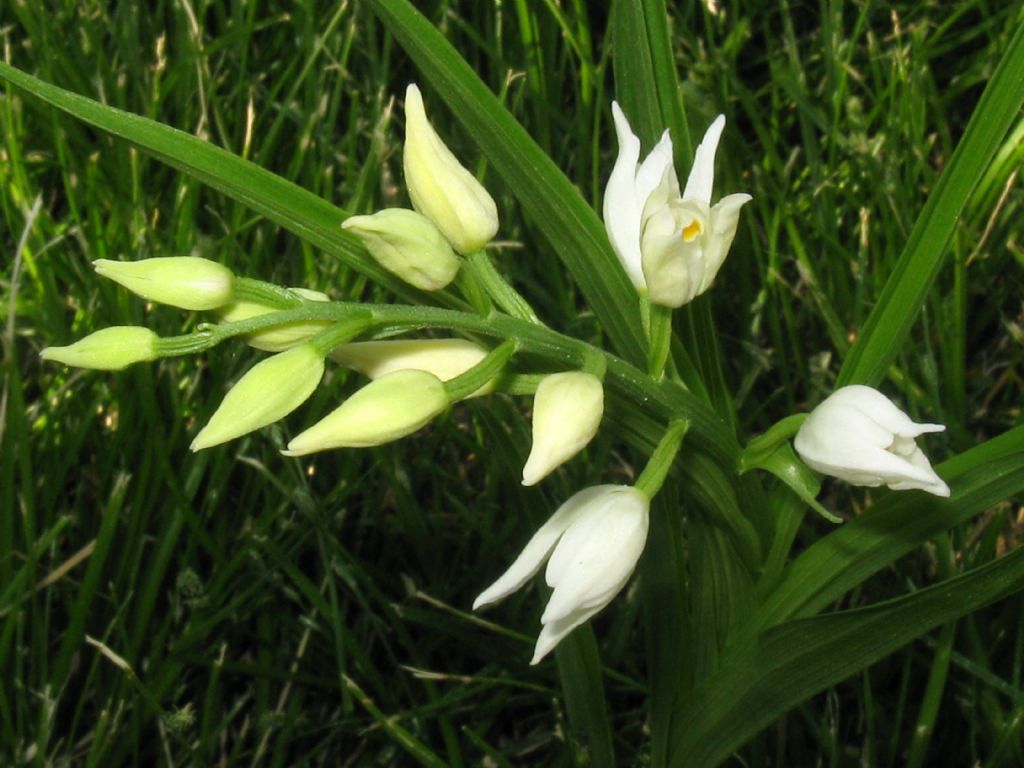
(659, 339)
(654, 474)
(465, 384)
(267, 294)
(473, 290)
(503, 294)
(341, 332)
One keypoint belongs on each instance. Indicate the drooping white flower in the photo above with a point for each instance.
(567, 410)
(858, 435)
(594, 541)
(671, 244)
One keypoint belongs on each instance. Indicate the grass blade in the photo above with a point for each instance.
(762, 679)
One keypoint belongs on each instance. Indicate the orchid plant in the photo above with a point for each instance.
(463, 333)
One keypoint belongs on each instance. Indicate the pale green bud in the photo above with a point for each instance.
(188, 282)
(110, 349)
(445, 358)
(408, 245)
(279, 337)
(268, 391)
(567, 411)
(440, 188)
(386, 409)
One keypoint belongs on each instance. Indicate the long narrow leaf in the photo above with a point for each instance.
(889, 323)
(300, 211)
(760, 680)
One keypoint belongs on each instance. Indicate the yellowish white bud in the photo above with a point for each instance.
(407, 244)
(279, 337)
(445, 358)
(386, 409)
(188, 282)
(567, 411)
(110, 349)
(268, 391)
(440, 187)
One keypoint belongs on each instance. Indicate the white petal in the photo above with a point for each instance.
(553, 633)
(622, 209)
(702, 174)
(598, 552)
(536, 551)
(658, 165)
(725, 217)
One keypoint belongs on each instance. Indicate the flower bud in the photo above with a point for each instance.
(268, 391)
(280, 337)
(567, 411)
(445, 358)
(593, 541)
(440, 188)
(188, 282)
(858, 435)
(109, 349)
(407, 244)
(393, 406)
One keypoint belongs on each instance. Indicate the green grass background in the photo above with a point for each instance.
(236, 607)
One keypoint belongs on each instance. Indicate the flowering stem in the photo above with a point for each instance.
(654, 474)
(503, 294)
(465, 384)
(659, 338)
(267, 294)
(660, 400)
(473, 290)
(343, 331)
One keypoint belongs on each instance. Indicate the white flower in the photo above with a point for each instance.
(859, 436)
(567, 411)
(594, 541)
(671, 245)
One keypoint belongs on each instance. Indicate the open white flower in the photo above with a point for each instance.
(594, 541)
(671, 244)
(858, 435)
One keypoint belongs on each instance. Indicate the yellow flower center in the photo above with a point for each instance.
(691, 230)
